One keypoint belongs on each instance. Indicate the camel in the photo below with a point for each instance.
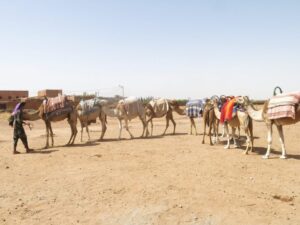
(71, 115)
(194, 109)
(240, 119)
(159, 108)
(262, 116)
(88, 111)
(68, 113)
(127, 110)
(210, 120)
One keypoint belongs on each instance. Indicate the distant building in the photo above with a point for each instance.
(49, 93)
(11, 95)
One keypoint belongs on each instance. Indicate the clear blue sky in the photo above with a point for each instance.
(154, 48)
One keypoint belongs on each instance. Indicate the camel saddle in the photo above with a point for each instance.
(228, 111)
(283, 106)
(130, 105)
(53, 104)
(194, 108)
(160, 106)
(59, 112)
(89, 106)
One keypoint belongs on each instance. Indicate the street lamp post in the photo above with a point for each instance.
(122, 87)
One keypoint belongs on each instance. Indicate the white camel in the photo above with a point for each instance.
(262, 116)
(127, 110)
(88, 111)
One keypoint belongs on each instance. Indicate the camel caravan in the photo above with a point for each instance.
(233, 113)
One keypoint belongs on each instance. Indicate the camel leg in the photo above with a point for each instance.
(216, 126)
(120, 129)
(191, 128)
(204, 131)
(209, 133)
(144, 127)
(151, 127)
(193, 124)
(147, 122)
(225, 127)
(239, 129)
(174, 123)
(281, 139)
(249, 133)
(191, 131)
(127, 128)
(51, 134)
(223, 131)
(167, 124)
(236, 145)
(47, 135)
(81, 139)
(69, 142)
(248, 140)
(88, 132)
(74, 131)
(103, 124)
(266, 156)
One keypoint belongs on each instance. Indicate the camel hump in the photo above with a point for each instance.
(275, 91)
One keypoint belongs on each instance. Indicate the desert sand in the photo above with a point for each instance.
(160, 180)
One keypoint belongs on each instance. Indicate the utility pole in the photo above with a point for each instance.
(122, 87)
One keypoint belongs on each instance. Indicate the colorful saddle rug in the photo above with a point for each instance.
(227, 111)
(53, 104)
(283, 106)
(194, 108)
(160, 106)
(89, 106)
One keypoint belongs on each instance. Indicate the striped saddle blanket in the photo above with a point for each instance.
(194, 108)
(160, 106)
(53, 104)
(89, 106)
(283, 105)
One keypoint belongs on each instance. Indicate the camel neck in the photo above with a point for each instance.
(256, 115)
(217, 112)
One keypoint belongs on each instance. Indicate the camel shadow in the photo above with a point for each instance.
(176, 134)
(42, 151)
(263, 150)
(128, 139)
(84, 144)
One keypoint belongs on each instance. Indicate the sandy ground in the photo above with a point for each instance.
(162, 180)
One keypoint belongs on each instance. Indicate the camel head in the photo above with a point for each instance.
(174, 104)
(243, 100)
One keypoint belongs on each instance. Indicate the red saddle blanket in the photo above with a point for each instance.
(283, 106)
(227, 111)
(53, 104)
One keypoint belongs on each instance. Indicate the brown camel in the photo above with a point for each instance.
(240, 119)
(70, 114)
(88, 111)
(261, 115)
(127, 110)
(210, 120)
(159, 108)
